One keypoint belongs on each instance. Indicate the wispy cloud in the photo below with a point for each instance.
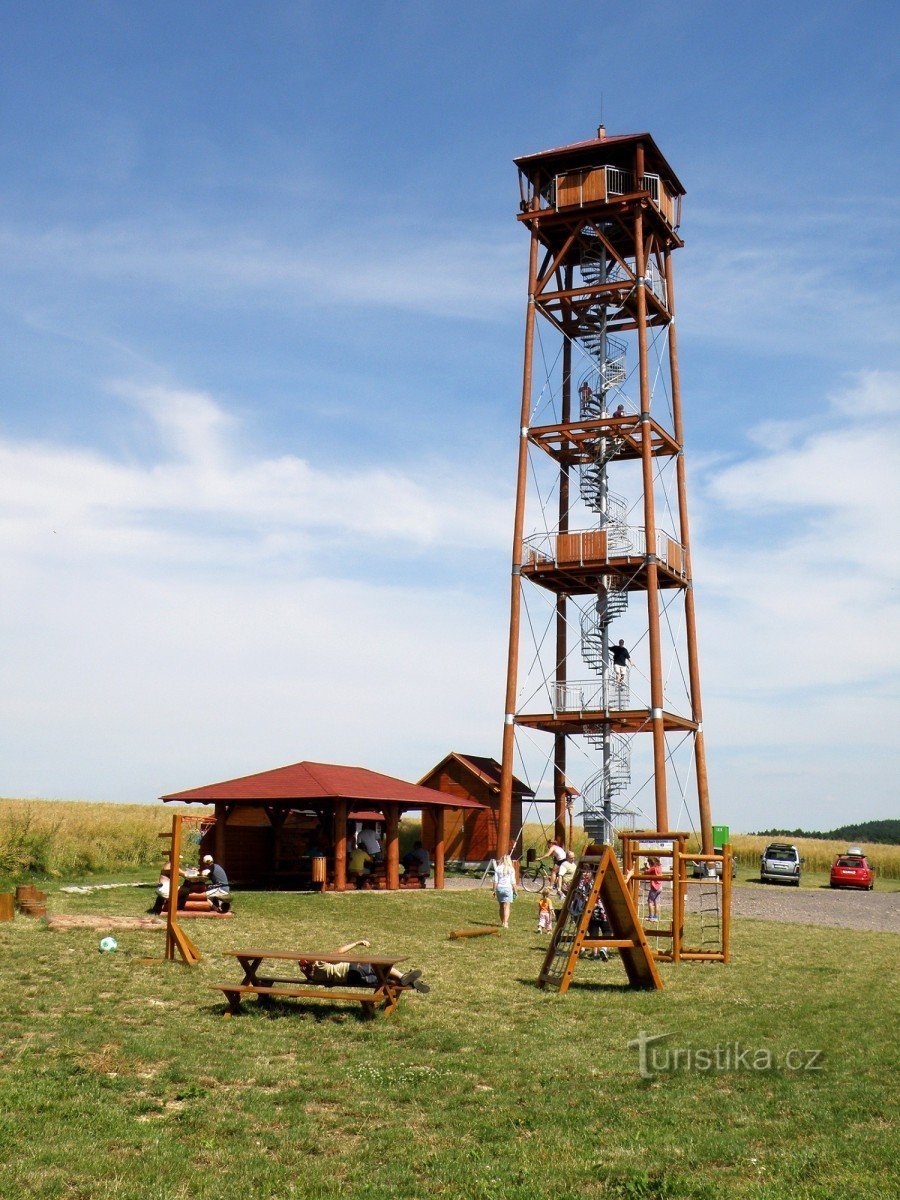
(797, 570)
(792, 281)
(446, 273)
(205, 498)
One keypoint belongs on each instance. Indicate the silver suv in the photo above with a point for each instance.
(780, 863)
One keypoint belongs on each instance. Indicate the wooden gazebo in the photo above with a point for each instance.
(269, 825)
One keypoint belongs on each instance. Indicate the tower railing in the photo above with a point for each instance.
(589, 547)
(586, 185)
(577, 696)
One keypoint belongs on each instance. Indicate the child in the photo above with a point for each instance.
(545, 912)
(599, 927)
(654, 891)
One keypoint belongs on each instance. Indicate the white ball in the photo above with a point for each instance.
(108, 944)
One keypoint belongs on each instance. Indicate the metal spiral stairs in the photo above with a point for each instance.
(611, 603)
(597, 794)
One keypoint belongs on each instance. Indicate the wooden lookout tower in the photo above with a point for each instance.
(601, 545)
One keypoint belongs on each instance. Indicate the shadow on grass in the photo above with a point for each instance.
(578, 985)
(275, 1010)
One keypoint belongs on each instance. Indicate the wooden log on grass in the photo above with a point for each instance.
(470, 933)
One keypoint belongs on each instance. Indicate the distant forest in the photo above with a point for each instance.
(882, 833)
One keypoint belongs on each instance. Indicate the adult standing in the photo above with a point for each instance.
(621, 658)
(368, 839)
(505, 888)
(566, 871)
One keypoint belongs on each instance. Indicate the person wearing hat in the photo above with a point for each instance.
(218, 892)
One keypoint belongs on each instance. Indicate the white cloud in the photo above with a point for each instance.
(799, 618)
(205, 499)
(213, 612)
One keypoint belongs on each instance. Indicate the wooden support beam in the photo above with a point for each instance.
(392, 845)
(439, 848)
(340, 845)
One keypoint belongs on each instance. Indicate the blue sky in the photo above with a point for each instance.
(262, 309)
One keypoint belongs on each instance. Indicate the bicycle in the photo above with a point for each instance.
(535, 877)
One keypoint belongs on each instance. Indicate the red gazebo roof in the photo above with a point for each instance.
(308, 782)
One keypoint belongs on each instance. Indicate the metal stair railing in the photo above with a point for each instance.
(613, 779)
(591, 696)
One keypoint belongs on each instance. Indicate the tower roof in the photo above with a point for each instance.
(616, 150)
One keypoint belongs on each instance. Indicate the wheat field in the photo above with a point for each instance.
(69, 838)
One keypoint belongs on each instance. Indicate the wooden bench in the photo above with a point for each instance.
(385, 993)
(234, 993)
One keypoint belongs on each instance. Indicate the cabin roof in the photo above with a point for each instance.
(323, 782)
(485, 769)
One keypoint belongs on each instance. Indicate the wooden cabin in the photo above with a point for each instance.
(470, 833)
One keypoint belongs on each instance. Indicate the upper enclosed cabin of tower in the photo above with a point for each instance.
(597, 173)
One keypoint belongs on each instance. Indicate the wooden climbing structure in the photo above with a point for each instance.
(598, 877)
(697, 925)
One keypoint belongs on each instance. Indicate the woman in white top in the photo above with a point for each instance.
(505, 888)
(557, 852)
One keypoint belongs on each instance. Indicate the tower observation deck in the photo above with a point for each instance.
(601, 544)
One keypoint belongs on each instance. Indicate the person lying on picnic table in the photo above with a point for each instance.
(357, 974)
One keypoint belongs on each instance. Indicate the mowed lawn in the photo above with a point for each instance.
(121, 1079)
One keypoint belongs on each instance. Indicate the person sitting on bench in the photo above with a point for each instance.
(359, 865)
(357, 974)
(218, 890)
(418, 862)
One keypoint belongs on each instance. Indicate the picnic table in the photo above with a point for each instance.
(385, 993)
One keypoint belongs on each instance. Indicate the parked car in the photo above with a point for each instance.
(780, 863)
(852, 870)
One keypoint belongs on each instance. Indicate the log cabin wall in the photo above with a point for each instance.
(469, 836)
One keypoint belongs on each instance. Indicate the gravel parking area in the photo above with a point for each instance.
(839, 908)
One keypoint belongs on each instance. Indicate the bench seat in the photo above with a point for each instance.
(369, 999)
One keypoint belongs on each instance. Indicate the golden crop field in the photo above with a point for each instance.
(71, 837)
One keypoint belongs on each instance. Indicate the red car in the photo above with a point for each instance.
(852, 870)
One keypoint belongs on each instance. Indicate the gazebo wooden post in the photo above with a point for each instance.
(219, 832)
(340, 845)
(439, 848)
(392, 845)
(277, 817)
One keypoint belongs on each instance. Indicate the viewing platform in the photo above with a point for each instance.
(576, 443)
(573, 562)
(588, 721)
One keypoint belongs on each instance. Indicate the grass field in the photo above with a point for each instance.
(121, 1080)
